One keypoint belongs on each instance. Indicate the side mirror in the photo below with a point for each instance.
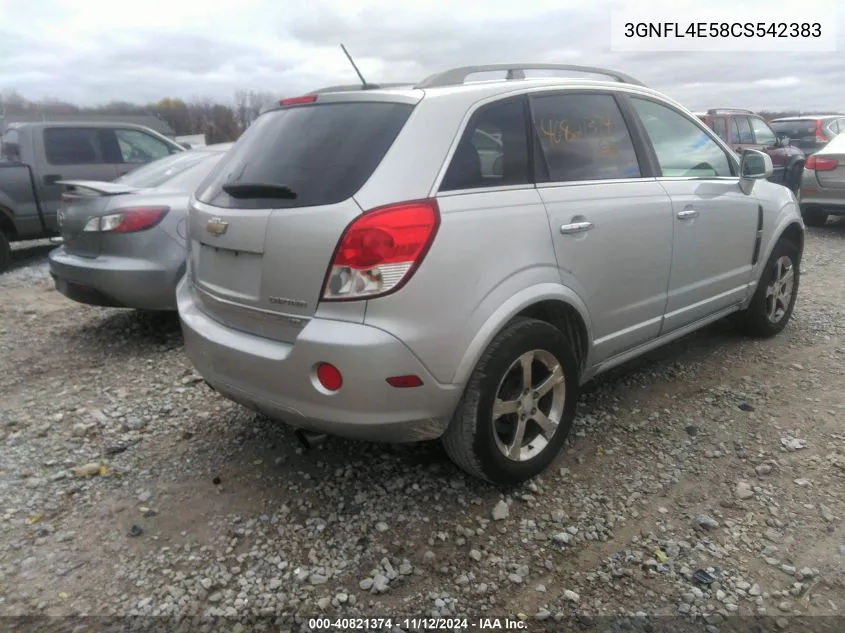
(784, 140)
(754, 165)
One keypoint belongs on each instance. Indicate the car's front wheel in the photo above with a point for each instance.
(771, 307)
(519, 405)
(5, 252)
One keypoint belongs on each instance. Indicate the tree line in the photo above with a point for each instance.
(219, 122)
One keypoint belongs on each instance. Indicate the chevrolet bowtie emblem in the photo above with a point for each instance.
(216, 226)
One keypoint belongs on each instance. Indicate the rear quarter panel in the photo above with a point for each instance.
(489, 247)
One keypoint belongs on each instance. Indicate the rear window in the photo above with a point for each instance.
(185, 170)
(803, 129)
(323, 153)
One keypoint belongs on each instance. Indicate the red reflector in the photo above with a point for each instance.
(819, 163)
(138, 219)
(298, 100)
(329, 376)
(404, 382)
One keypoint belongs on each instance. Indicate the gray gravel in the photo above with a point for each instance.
(704, 481)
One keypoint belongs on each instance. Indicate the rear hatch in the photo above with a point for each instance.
(83, 200)
(801, 133)
(264, 226)
(830, 169)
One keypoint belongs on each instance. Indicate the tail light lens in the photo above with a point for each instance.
(129, 220)
(380, 250)
(820, 135)
(819, 163)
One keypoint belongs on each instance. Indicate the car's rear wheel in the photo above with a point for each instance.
(519, 405)
(5, 252)
(771, 307)
(813, 216)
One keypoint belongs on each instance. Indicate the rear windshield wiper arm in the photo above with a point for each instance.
(259, 190)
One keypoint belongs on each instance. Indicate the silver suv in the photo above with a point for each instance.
(454, 260)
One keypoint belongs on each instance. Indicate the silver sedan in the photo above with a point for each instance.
(822, 190)
(124, 241)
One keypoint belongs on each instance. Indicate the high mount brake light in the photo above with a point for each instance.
(819, 163)
(380, 250)
(820, 135)
(298, 100)
(129, 220)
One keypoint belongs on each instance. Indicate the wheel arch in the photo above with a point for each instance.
(552, 303)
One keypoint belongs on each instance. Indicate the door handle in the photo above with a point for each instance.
(576, 227)
(687, 214)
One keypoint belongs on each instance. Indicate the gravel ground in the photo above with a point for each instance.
(705, 482)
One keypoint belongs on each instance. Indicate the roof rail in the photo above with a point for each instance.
(457, 76)
(728, 110)
(354, 87)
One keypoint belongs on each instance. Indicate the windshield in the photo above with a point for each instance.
(176, 171)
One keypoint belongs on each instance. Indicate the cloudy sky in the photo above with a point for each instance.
(88, 51)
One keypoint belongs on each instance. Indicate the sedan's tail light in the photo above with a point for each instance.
(819, 163)
(130, 220)
(380, 250)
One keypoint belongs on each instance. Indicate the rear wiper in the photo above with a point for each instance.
(259, 190)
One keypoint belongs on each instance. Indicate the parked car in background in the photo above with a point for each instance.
(124, 241)
(35, 156)
(743, 129)
(809, 133)
(822, 191)
(367, 264)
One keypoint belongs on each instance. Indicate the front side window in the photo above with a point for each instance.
(73, 146)
(493, 150)
(139, 147)
(583, 137)
(763, 134)
(681, 146)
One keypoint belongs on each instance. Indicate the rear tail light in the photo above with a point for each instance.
(820, 136)
(298, 100)
(380, 250)
(818, 163)
(129, 220)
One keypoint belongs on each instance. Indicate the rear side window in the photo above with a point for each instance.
(73, 146)
(10, 149)
(720, 128)
(493, 151)
(583, 137)
(742, 130)
(314, 154)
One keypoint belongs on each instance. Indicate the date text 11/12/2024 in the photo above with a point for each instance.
(426, 624)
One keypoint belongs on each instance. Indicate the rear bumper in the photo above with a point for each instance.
(115, 281)
(813, 195)
(277, 378)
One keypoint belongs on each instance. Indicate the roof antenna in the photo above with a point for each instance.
(364, 83)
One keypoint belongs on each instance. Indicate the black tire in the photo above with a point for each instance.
(5, 253)
(814, 216)
(471, 440)
(755, 320)
(794, 178)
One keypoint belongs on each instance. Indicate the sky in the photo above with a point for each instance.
(89, 52)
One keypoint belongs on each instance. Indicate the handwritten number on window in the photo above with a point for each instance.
(559, 131)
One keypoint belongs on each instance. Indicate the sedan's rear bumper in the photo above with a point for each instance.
(278, 378)
(813, 196)
(115, 281)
